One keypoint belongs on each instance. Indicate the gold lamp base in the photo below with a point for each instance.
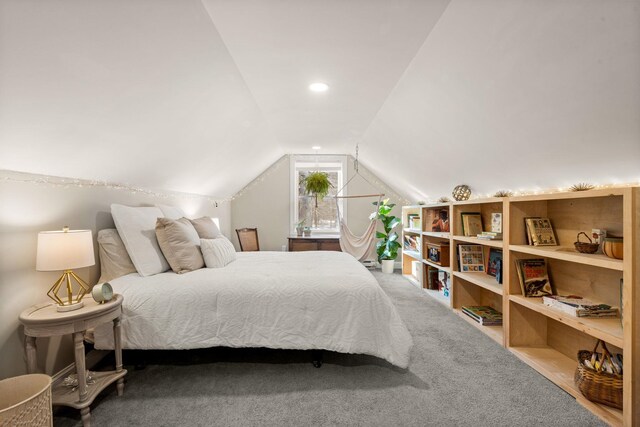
(71, 303)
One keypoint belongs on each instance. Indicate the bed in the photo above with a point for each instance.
(282, 300)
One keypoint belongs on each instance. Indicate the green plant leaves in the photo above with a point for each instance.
(387, 247)
(317, 184)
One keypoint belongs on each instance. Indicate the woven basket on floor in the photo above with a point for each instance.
(26, 401)
(597, 385)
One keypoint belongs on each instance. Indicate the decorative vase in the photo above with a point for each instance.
(387, 265)
(307, 232)
(299, 231)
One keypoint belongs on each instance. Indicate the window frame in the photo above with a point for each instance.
(294, 160)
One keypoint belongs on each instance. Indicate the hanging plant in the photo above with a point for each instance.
(317, 184)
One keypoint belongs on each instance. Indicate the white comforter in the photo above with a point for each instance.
(289, 300)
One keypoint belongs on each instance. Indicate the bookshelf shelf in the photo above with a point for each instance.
(476, 241)
(565, 253)
(413, 254)
(560, 369)
(546, 338)
(412, 230)
(437, 234)
(438, 296)
(434, 265)
(494, 332)
(481, 279)
(607, 329)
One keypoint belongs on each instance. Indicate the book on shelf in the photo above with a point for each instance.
(483, 314)
(471, 258)
(496, 222)
(411, 243)
(471, 223)
(540, 232)
(432, 278)
(494, 262)
(444, 283)
(413, 221)
(579, 307)
(533, 277)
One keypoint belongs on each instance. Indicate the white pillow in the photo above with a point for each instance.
(171, 212)
(217, 252)
(137, 229)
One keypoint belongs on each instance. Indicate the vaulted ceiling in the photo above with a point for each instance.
(201, 96)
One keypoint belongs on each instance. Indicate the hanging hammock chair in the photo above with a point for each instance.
(363, 248)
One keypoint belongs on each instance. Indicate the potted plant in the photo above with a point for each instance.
(387, 247)
(317, 184)
(300, 228)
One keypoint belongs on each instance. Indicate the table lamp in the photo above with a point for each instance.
(63, 251)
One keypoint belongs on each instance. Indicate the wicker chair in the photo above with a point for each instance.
(248, 238)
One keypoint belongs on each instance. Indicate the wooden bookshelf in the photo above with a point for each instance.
(544, 337)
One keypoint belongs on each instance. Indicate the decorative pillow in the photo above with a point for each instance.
(180, 243)
(136, 227)
(114, 259)
(171, 212)
(206, 228)
(217, 252)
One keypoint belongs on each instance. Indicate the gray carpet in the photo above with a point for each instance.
(457, 377)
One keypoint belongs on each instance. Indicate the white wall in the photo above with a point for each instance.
(265, 204)
(27, 208)
(518, 94)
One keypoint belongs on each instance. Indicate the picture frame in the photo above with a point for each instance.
(471, 258)
(471, 223)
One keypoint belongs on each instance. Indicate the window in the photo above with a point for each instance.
(302, 205)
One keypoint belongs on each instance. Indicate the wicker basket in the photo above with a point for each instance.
(26, 401)
(586, 248)
(596, 385)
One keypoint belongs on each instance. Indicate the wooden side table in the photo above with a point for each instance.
(43, 320)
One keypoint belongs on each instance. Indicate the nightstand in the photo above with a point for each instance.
(44, 321)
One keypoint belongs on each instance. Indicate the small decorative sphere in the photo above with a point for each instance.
(461, 192)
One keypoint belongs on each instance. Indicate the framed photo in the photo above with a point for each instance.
(471, 223)
(496, 222)
(494, 262)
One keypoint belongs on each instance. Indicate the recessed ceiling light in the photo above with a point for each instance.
(316, 147)
(318, 87)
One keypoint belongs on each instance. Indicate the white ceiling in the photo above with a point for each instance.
(201, 97)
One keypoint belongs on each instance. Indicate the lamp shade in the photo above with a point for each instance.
(64, 250)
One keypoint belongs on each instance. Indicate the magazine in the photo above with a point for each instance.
(533, 277)
(471, 223)
(579, 307)
(485, 315)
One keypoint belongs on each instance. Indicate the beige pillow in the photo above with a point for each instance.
(114, 259)
(206, 228)
(180, 243)
(217, 252)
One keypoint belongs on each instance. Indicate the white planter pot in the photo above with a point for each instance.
(387, 266)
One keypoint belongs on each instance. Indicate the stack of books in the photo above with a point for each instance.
(484, 315)
(579, 307)
(490, 235)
